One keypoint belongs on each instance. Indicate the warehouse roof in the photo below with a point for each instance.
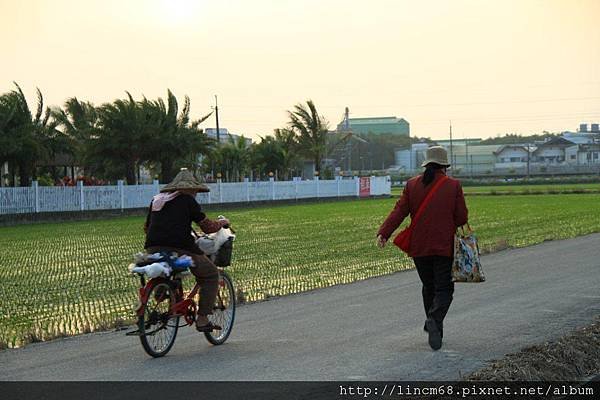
(475, 150)
(515, 146)
(375, 120)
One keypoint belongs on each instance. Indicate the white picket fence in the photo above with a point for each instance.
(39, 199)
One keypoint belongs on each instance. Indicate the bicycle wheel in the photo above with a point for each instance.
(223, 312)
(157, 327)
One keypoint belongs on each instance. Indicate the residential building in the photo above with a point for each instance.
(552, 151)
(513, 156)
(589, 154)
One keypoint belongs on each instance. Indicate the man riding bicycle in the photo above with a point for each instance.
(168, 228)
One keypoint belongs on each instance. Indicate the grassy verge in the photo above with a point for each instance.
(573, 357)
(69, 278)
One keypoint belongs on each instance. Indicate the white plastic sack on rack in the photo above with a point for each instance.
(153, 270)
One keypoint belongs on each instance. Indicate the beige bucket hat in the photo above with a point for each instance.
(436, 154)
(185, 180)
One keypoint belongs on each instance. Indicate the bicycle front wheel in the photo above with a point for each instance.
(157, 327)
(223, 312)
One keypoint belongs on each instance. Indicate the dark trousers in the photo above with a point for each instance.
(436, 276)
(206, 273)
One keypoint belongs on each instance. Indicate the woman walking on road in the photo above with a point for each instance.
(432, 239)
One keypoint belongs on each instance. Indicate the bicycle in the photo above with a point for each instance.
(162, 303)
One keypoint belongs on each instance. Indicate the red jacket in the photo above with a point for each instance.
(433, 234)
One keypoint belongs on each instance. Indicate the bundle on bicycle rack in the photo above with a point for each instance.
(159, 264)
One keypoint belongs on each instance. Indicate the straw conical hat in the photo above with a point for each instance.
(185, 180)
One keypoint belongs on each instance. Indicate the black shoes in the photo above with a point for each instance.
(441, 327)
(435, 336)
(208, 327)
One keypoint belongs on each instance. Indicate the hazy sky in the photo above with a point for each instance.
(489, 66)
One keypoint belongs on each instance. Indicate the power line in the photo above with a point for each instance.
(401, 105)
(522, 118)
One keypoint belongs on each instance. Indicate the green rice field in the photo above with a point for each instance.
(68, 278)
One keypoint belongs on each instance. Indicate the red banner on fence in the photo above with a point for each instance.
(364, 186)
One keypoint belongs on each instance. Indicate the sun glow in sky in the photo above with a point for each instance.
(177, 12)
(491, 67)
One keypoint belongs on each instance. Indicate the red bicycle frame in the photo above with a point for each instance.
(185, 307)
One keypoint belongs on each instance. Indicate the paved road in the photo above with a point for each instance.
(370, 330)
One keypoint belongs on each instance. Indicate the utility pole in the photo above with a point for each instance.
(349, 147)
(466, 153)
(527, 160)
(471, 166)
(451, 154)
(347, 132)
(217, 116)
(347, 119)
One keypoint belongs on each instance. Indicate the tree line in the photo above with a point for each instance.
(116, 139)
(515, 138)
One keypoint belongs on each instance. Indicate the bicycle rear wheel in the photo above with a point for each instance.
(223, 312)
(156, 326)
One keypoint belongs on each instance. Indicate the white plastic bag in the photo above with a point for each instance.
(153, 270)
(212, 242)
(206, 243)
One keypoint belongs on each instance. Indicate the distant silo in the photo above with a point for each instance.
(403, 159)
(582, 127)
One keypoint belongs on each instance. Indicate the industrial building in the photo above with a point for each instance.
(375, 125)
(225, 135)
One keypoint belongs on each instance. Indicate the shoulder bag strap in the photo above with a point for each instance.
(428, 199)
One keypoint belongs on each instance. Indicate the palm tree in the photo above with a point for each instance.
(267, 156)
(289, 147)
(79, 122)
(277, 154)
(173, 136)
(312, 131)
(117, 147)
(8, 146)
(236, 156)
(27, 139)
(232, 159)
